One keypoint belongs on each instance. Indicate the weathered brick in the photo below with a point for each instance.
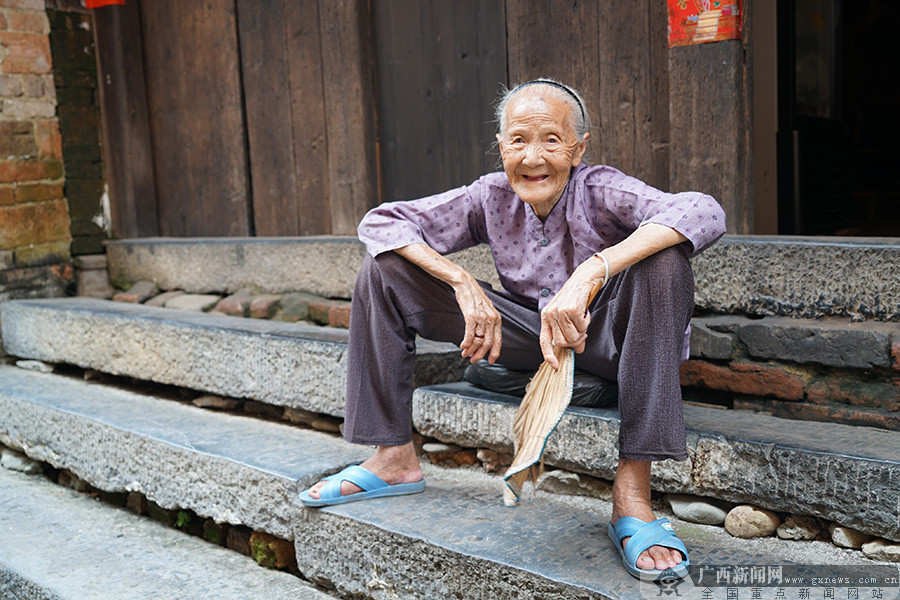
(272, 552)
(831, 413)
(49, 142)
(295, 307)
(38, 192)
(30, 170)
(743, 378)
(895, 355)
(236, 305)
(83, 226)
(82, 79)
(38, 86)
(339, 316)
(319, 309)
(847, 389)
(88, 244)
(17, 139)
(28, 21)
(27, 53)
(35, 255)
(7, 195)
(707, 343)
(10, 86)
(28, 108)
(28, 4)
(24, 224)
(263, 307)
(3, 24)
(137, 293)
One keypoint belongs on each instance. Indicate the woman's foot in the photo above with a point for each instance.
(631, 498)
(393, 464)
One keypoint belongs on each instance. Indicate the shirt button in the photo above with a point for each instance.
(544, 241)
(545, 292)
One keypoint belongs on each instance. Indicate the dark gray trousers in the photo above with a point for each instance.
(635, 337)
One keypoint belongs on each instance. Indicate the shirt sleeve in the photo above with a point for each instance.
(633, 203)
(447, 222)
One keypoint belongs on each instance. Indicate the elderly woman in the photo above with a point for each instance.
(556, 228)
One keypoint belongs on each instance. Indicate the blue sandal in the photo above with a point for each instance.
(372, 486)
(644, 535)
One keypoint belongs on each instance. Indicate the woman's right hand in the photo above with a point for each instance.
(483, 336)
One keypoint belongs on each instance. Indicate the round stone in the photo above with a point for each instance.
(799, 527)
(696, 510)
(746, 521)
(847, 537)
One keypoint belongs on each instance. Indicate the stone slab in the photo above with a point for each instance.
(286, 364)
(322, 265)
(61, 545)
(831, 343)
(846, 474)
(229, 468)
(800, 277)
(454, 540)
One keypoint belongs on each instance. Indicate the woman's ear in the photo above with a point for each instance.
(579, 150)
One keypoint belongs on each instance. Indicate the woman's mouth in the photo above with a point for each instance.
(534, 178)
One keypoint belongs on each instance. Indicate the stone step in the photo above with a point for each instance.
(297, 365)
(793, 276)
(76, 548)
(842, 473)
(456, 540)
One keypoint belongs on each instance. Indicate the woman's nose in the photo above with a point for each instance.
(533, 154)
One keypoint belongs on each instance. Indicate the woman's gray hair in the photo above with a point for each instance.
(578, 114)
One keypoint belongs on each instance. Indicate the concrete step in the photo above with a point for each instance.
(60, 545)
(456, 540)
(842, 473)
(286, 364)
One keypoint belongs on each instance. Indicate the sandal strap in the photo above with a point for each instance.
(354, 474)
(655, 533)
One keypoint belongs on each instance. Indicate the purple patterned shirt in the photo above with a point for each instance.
(600, 207)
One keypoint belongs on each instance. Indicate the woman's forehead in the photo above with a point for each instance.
(537, 109)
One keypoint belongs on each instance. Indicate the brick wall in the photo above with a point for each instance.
(34, 219)
(75, 77)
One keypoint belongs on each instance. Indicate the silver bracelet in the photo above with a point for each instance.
(605, 264)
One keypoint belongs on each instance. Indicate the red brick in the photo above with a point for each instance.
(46, 134)
(17, 139)
(27, 53)
(846, 389)
(318, 311)
(895, 353)
(26, 20)
(10, 86)
(743, 378)
(829, 413)
(264, 307)
(339, 316)
(7, 195)
(24, 224)
(29, 170)
(3, 26)
(38, 193)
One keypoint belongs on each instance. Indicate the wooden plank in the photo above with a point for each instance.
(708, 132)
(440, 66)
(196, 117)
(760, 39)
(559, 40)
(267, 101)
(308, 123)
(348, 77)
(127, 153)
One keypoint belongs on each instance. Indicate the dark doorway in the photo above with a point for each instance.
(839, 92)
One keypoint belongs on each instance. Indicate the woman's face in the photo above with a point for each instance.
(539, 148)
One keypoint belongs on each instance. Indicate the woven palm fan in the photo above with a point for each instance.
(546, 398)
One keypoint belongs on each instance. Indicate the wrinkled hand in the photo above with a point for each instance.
(483, 335)
(564, 321)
